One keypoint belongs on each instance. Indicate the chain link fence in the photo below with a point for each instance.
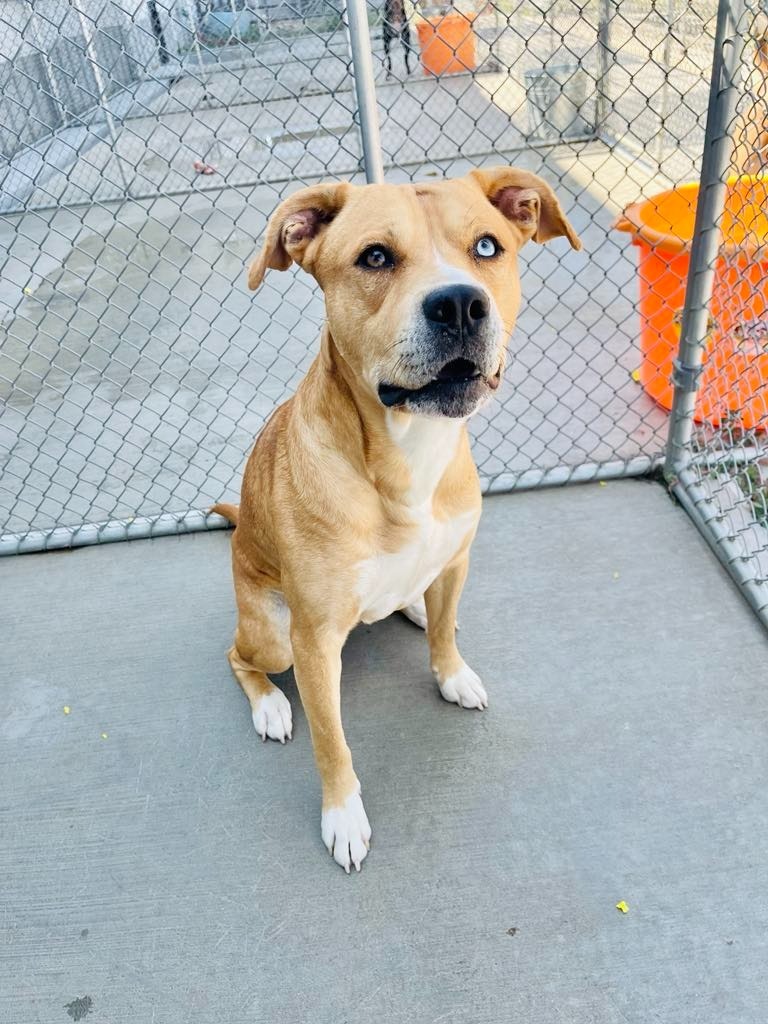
(717, 459)
(144, 143)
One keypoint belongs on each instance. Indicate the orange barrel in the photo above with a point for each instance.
(734, 380)
(447, 44)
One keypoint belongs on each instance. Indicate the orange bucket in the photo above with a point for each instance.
(734, 380)
(447, 44)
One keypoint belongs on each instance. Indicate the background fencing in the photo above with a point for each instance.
(143, 144)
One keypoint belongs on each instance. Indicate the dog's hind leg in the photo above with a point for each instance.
(270, 708)
(457, 682)
(262, 645)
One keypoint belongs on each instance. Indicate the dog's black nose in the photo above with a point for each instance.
(460, 307)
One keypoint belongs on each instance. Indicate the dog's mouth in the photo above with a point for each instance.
(456, 376)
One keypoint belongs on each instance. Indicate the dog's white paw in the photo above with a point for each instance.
(346, 832)
(416, 612)
(464, 688)
(272, 717)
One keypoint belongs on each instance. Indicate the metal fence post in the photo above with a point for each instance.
(723, 96)
(90, 49)
(365, 88)
(43, 49)
(666, 97)
(606, 58)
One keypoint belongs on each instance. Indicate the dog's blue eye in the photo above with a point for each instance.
(376, 257)
(486, 247)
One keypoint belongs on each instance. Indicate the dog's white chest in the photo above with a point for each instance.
(387, 582)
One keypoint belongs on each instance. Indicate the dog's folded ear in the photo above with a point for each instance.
(294, 225)
(527, 201)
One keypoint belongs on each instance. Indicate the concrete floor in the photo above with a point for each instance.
(173, 871)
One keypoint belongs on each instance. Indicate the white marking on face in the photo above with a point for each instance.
(272, 717)
(449, 273)
(346, 832)
(463, 688)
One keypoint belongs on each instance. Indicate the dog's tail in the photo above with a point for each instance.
(230, 512)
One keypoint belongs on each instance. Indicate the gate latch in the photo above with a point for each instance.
(686, 378)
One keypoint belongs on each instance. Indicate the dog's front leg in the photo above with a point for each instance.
(457, 682)
(317, 666)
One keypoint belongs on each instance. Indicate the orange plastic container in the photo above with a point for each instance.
(734, 381)
(447, 44)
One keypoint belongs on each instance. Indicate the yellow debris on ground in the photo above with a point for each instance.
(66, 709)
(622, 906)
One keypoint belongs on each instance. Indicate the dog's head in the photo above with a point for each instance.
(421, 281)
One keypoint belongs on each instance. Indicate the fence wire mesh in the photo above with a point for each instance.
(721, 473)
(144, 144)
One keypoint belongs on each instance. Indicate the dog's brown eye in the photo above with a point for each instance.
(376, 257)
(487, 247)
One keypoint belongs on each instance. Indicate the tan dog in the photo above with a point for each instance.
(360, 497)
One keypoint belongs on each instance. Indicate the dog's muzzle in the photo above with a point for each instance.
(456, 337)
(456, 377)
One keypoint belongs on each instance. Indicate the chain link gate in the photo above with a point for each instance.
(145, 142)
(717, 457)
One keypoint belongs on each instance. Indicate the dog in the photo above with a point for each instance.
(360, 497)
(396, 24)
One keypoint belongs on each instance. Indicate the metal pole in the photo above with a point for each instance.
(168, 524)
(723, 95)
(236, 21)
(90, 49)
(193, 14)
(666, 61)
(606, 58)
(43, 48)
(365, 89)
